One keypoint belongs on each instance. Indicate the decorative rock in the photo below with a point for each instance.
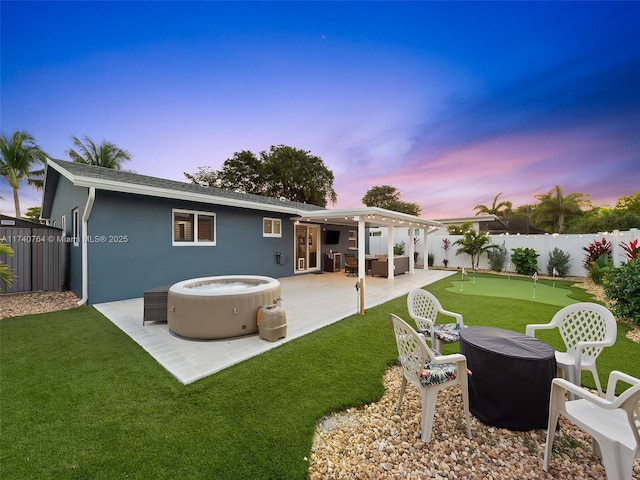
(379, 444)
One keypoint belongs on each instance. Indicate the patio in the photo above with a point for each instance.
(310, 301)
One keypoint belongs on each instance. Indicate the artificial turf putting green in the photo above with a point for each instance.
(520, 288)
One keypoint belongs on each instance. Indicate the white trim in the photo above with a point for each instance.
(195, 242)
(373, 217)
(153, 191)
(75, 226)
(273, 222)
(352, 238)
(85, 245)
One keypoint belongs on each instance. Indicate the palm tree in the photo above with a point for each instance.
(6, 275)
(555, 208)
(105, 155)
(18, 155)
(502, 209)
(474, 244)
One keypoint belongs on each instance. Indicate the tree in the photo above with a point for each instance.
(244, 173)
(555, 208)
(33, 214)
(629, 204)
(502, 209)
(388, 197)
(474, 244)
(281, 172)
(297, 175)
(106, 154)
(460, 229)
(18, 156)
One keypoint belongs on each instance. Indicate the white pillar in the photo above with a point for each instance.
(361, 246)
(390, 263)
(412, 248)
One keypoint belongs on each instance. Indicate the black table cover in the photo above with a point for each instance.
(510, 378)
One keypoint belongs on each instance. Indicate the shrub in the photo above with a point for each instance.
(601, 267)
(497, 258)
(595, 250)
(559, 260)
(398, 248)
(446, 245)
(622, 287)
(631, 249)
(525, 260)
(430, 259)
(598, 259)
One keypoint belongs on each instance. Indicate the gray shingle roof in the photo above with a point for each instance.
(118, 176)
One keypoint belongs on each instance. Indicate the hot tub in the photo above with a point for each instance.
(219, 307)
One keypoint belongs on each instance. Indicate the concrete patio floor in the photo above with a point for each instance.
(310, 301)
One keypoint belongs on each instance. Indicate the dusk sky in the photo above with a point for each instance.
(449, 102)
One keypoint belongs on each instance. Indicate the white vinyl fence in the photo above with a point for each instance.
(572, 244)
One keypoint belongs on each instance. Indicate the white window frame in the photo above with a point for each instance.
(353, 239)
(63, 225)
(272, 222)
(75, 226)
(195, 242)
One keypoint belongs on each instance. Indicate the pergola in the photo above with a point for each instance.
(368, 217)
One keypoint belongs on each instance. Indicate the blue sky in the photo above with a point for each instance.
(449, 102)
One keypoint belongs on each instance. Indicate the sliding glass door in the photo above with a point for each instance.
(307, 247)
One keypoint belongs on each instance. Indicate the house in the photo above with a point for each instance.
(492, 224)
(129, 232)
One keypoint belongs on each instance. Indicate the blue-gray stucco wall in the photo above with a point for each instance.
(130, 248)
(66, 199)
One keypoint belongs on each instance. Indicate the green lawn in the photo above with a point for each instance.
(79, 399)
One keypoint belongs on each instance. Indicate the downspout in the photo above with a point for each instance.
(85, 246)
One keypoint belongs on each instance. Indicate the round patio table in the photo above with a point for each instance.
(510, 378)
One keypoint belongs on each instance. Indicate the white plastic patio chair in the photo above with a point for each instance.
(428, 372)
(424, 308)
(613, 423)
(586, 328)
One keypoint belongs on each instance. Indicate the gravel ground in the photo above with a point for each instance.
(15, 305)
(373, 442)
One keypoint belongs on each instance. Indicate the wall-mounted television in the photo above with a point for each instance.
(333, 237)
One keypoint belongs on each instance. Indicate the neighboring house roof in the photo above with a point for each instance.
(495, 224)
(485, 223)
(474, 219)
(83, 175)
